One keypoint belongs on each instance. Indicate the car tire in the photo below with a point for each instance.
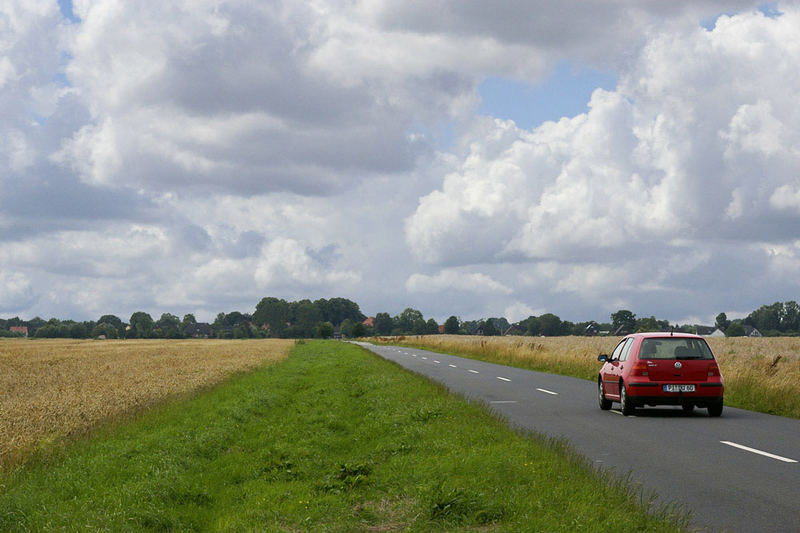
(715, 409)
(625, 404)
(605, 404)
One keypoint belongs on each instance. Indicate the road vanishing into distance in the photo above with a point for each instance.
(739, 472)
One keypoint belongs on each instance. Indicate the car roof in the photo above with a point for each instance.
(663, 334)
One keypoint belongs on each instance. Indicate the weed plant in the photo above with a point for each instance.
(333, 439)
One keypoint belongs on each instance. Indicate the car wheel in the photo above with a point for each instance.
(605, 404)
(715, 409)
(626, 406)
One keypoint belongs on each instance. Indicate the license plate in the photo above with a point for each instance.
(678, 388)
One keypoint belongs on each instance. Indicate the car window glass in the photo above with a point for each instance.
(623, 356)
(618, 350)
(675, 348)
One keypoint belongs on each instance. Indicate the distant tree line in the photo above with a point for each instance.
(274, 317)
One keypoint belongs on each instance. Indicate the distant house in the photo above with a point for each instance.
(750, 331)
(591, 330)
(709, 331)
(200, 330)
(23, 330)
(441, 328)
(514, 329)
(369, 322)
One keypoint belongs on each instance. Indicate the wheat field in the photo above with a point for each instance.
(50, 389)
(761, 374)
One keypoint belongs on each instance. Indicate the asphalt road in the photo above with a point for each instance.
(739, 472)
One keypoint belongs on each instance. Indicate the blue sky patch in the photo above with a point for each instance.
(565, 93)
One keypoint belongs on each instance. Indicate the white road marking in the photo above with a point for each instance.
(437, 362)
(425, 358)
(616, 412)
(759, 452)
(503, 379)
(452, 366)
(548, 392)
(474, 371)
(504, 401)
(413, 355)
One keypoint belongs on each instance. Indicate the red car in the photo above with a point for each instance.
(661, 369)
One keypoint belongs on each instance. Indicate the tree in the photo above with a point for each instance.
(550, 325)
(359, 330)
(325, 330)
(489, 328)
(791, 316)
(431, 327)
(141, 325)
(306, 318)
(623, 318)
(346, 327)
(451, 326)
(722, 321)
(113, 320)
(648, 324)
(383, 324)
(766, 318)
(273, 312)
(735, 329)
(406, 319)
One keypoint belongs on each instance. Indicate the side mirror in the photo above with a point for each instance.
(602, 357)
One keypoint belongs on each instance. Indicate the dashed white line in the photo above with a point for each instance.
(759, 452)
(474, 371)
(425, 358)
(437, 362)
(502, 378)
(452, 366)
(548, 392)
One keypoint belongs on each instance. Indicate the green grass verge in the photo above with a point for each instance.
(334, 439)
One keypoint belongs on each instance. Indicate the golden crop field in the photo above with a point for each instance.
(54, 388)
(760, 373)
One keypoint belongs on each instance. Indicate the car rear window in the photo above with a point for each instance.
(675, 348)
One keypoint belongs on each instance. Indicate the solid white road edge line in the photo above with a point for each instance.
(548, 392)
(503, 379)
(474, 371)
(503, 401)
(759, 452)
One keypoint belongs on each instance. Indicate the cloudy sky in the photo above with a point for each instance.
(463, 157)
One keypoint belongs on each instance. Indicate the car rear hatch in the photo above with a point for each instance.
(678, 370)
(678, 359)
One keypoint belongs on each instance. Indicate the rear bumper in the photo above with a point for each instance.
(652, 393)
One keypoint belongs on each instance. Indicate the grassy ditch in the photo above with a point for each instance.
(333, 439)
(761, 374)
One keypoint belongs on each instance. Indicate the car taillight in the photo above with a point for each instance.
(639, 368)
(713, 369)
